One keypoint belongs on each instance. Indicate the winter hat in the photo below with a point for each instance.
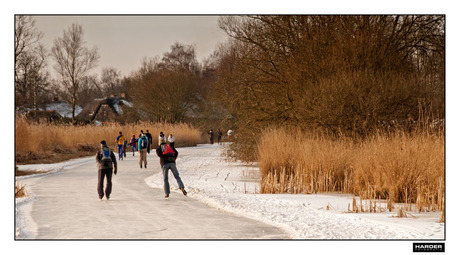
(103, 143)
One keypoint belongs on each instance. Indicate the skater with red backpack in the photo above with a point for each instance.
(168, 156)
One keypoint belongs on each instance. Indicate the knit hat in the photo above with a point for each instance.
(103, 144)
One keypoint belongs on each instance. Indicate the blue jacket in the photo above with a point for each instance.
(140, 140)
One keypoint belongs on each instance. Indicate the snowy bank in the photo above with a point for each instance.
(233, 187)
(44, 169)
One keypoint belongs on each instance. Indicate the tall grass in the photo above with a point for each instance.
(37, 138)
(406, 168)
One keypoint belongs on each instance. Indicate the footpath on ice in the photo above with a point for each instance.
(230, 187)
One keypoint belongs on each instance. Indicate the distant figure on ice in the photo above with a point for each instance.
(120, 141)
(168, 157)
(124, 147)
(230, 135)
(149, 136)
(211, 136)
(219, 136)
(106, 162)
(143, 144)
(162, 136)
(171, 140)
(133, 144)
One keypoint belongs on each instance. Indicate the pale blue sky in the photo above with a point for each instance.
(123, 41)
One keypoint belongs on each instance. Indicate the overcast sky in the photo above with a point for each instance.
(123, 41)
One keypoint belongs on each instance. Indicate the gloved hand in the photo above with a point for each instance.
(115, 171)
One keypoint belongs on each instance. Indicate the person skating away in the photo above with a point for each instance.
(149, 136)
(107, 164)
(171, 140)
(230, 134)
(219, 136)
(142, 144)
(168, 156)
(133, 143)
(161, 137)
(120, 142)
(140, 135)
(211, 136)
(124, 147)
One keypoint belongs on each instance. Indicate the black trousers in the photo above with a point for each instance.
(100, 182)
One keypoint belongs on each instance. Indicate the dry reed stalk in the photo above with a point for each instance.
(20, 190)
(383, 164)
(355, 207)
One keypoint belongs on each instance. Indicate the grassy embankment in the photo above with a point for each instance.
(48, 143)
(396, 168)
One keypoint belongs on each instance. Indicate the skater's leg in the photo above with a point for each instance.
(100, 183)
(108, 188)
(165, 179)
(140, 158)
(176, 175)
(120, 152)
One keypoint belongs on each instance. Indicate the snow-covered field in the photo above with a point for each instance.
(233, 187)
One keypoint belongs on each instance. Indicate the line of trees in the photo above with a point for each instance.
(172, 89)
(74, 61)
(346, 75)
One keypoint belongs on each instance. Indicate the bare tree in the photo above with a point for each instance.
(31, 77)
(166, 90)
(180, 57)
(111, 81)
(73, 60)
(25, 36)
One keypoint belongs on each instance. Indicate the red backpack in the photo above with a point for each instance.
(167, 150)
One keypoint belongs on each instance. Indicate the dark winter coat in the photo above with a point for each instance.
(104, 164)
(166, 159)
(149, 136)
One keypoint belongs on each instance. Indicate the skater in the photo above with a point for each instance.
(142, 144)
(120, 141)
(230, 134)
(149, 136)
(211, 136)
(161, 137)
(219, 136)
(171, 140)
(124, 147)
(106, 162)
(133, 144)
(168, 157)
